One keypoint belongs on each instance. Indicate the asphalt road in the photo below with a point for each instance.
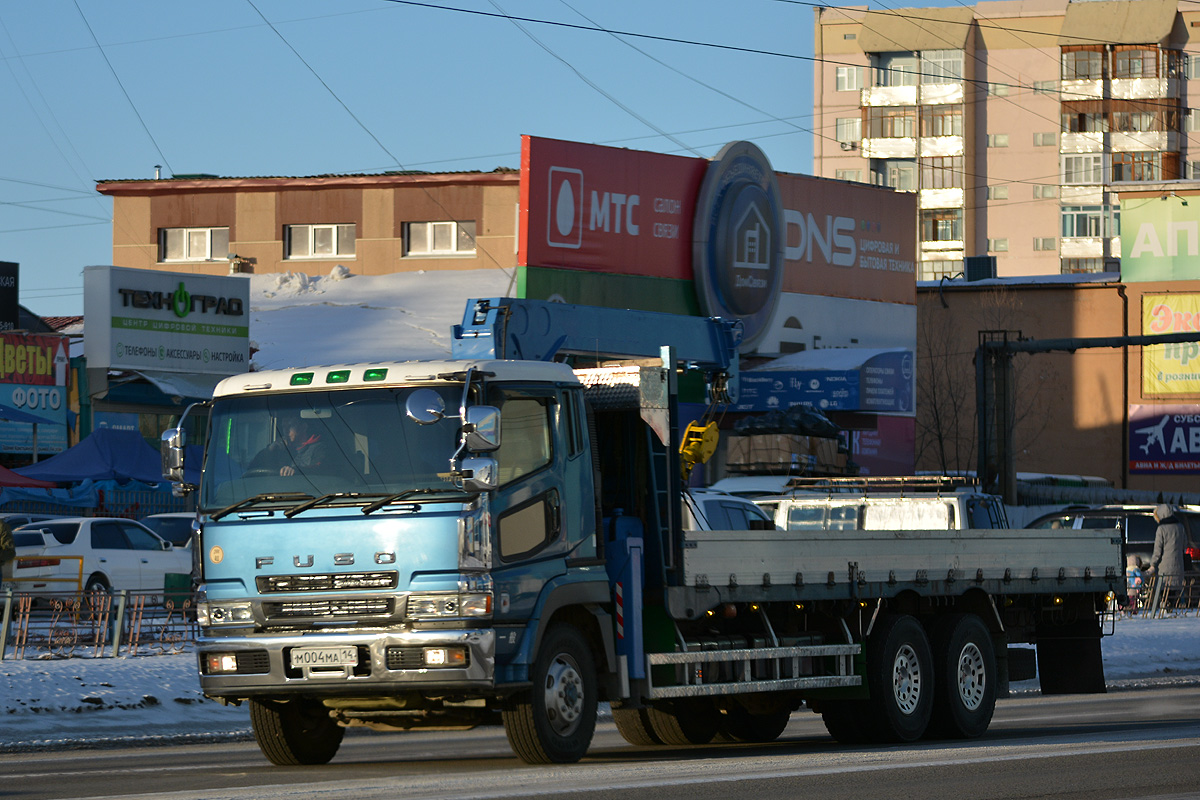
(1136, 744)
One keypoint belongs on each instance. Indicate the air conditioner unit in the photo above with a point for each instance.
(849, 145)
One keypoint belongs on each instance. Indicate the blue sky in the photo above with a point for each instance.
(107, 89)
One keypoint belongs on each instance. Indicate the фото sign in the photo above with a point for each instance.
(34, 376)
(1164, 440)
(165, 321)
(1160, 239)
(1171, 368)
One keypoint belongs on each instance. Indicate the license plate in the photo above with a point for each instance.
(324, 657)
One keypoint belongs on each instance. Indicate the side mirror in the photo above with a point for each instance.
(166, 545)
(478, 474)
(425, 407)
(481, 429)
(172, 447)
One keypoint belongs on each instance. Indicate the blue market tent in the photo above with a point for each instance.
(107, 454)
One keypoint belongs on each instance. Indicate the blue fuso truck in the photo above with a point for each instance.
(496, 538)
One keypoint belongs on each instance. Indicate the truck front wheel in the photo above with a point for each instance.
(295, 732)
(554, 721)
(964, 677)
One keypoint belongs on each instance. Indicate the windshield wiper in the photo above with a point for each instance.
(330, 499)
(395, 498)
(268, 497)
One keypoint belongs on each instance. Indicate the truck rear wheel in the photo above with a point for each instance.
(295, 732)
(964, 677)
(900, 679)
(634, 726)
(692, 720)
(844, 720)
(554, 721)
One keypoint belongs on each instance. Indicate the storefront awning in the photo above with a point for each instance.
(189, 386)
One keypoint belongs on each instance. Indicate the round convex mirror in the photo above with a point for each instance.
(425, 407)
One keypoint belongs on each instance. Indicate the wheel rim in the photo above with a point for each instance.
(906, 679)
(972, 678)
(564, 695)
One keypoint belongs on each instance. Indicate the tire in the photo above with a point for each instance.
(739, 725)
(554, 721)
(296, 732)
(900, 680)
(97, 583)
(687, 721)
(634, 726)
(965, 677)
(844, 721)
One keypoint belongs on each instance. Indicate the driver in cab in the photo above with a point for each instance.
(300, 448)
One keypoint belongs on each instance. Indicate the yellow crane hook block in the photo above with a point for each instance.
(698, 445)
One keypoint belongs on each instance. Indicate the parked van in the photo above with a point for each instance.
(886, 503)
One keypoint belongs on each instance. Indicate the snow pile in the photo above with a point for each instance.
(297, 320)
(82, 702)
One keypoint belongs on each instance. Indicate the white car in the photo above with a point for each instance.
(94, 554)
(712, 510)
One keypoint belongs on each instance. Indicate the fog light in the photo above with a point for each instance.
(445, 656)
(221, 662)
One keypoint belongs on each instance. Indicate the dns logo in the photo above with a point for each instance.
(564, 227)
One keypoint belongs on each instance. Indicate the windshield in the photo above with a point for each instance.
(322, 443)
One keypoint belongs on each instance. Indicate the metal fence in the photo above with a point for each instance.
(95, 624)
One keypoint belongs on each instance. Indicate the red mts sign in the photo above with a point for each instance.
(40, 360)
(606, 209)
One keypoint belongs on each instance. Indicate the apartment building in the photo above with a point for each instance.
(1016, 122)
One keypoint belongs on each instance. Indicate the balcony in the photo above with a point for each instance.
(944, 248)
(1143, 88)
(1081, 195)
(1081, 90)
(935, 94)
(932, 146)
(941, 198)
(1083, 247)
(1144, 141)
(1085, 142)
(889, 96)
(890, 147)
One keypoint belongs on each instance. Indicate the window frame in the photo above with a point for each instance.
(1092, 170)
(848, 79)
(186, 234)
(942, 225)
(457, 234)
(337, 237)
(1142, 166)
(942, 172)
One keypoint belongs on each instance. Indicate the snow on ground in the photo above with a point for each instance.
(297, 320)
(91, 702)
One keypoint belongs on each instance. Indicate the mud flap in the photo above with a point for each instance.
(1069, 659)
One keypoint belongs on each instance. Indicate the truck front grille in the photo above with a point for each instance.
(329, 582)
(346, 607)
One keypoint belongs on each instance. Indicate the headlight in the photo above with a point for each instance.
(213, 614)
(435, 606)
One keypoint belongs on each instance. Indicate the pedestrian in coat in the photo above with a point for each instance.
(1166, 564)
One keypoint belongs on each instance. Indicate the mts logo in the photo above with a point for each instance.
(571, 210)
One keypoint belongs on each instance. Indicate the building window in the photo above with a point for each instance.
(941, 225)
(1042, 191)
(1193, 169)
(997, 245)
(849, 129)
(1191, 66)
(997, 192)
(1045, 87)
(1045, 139)
(997, 89)
(849, 79)
(1083, 169)
(891, 123)
(1191, 121)
(1072, 266)
(1135, 167)
(1083, 122)
(1135, 63)
(439, 238)
(899, 174)
(944, 172)
(1047, 243)
(1134, 121)
(997, 140)
(848, 175)
(1083, 221)
(318, 241)
(936, 270)
(941, 66)
(1082, 65)
(897, 69)
(941, 121)
(193, 244)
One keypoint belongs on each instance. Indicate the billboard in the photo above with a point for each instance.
(166, 322)
(882, 382)
(10, 315)
(34, 375)
(1160, 239)
(1170, 369)
(1164, 440)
